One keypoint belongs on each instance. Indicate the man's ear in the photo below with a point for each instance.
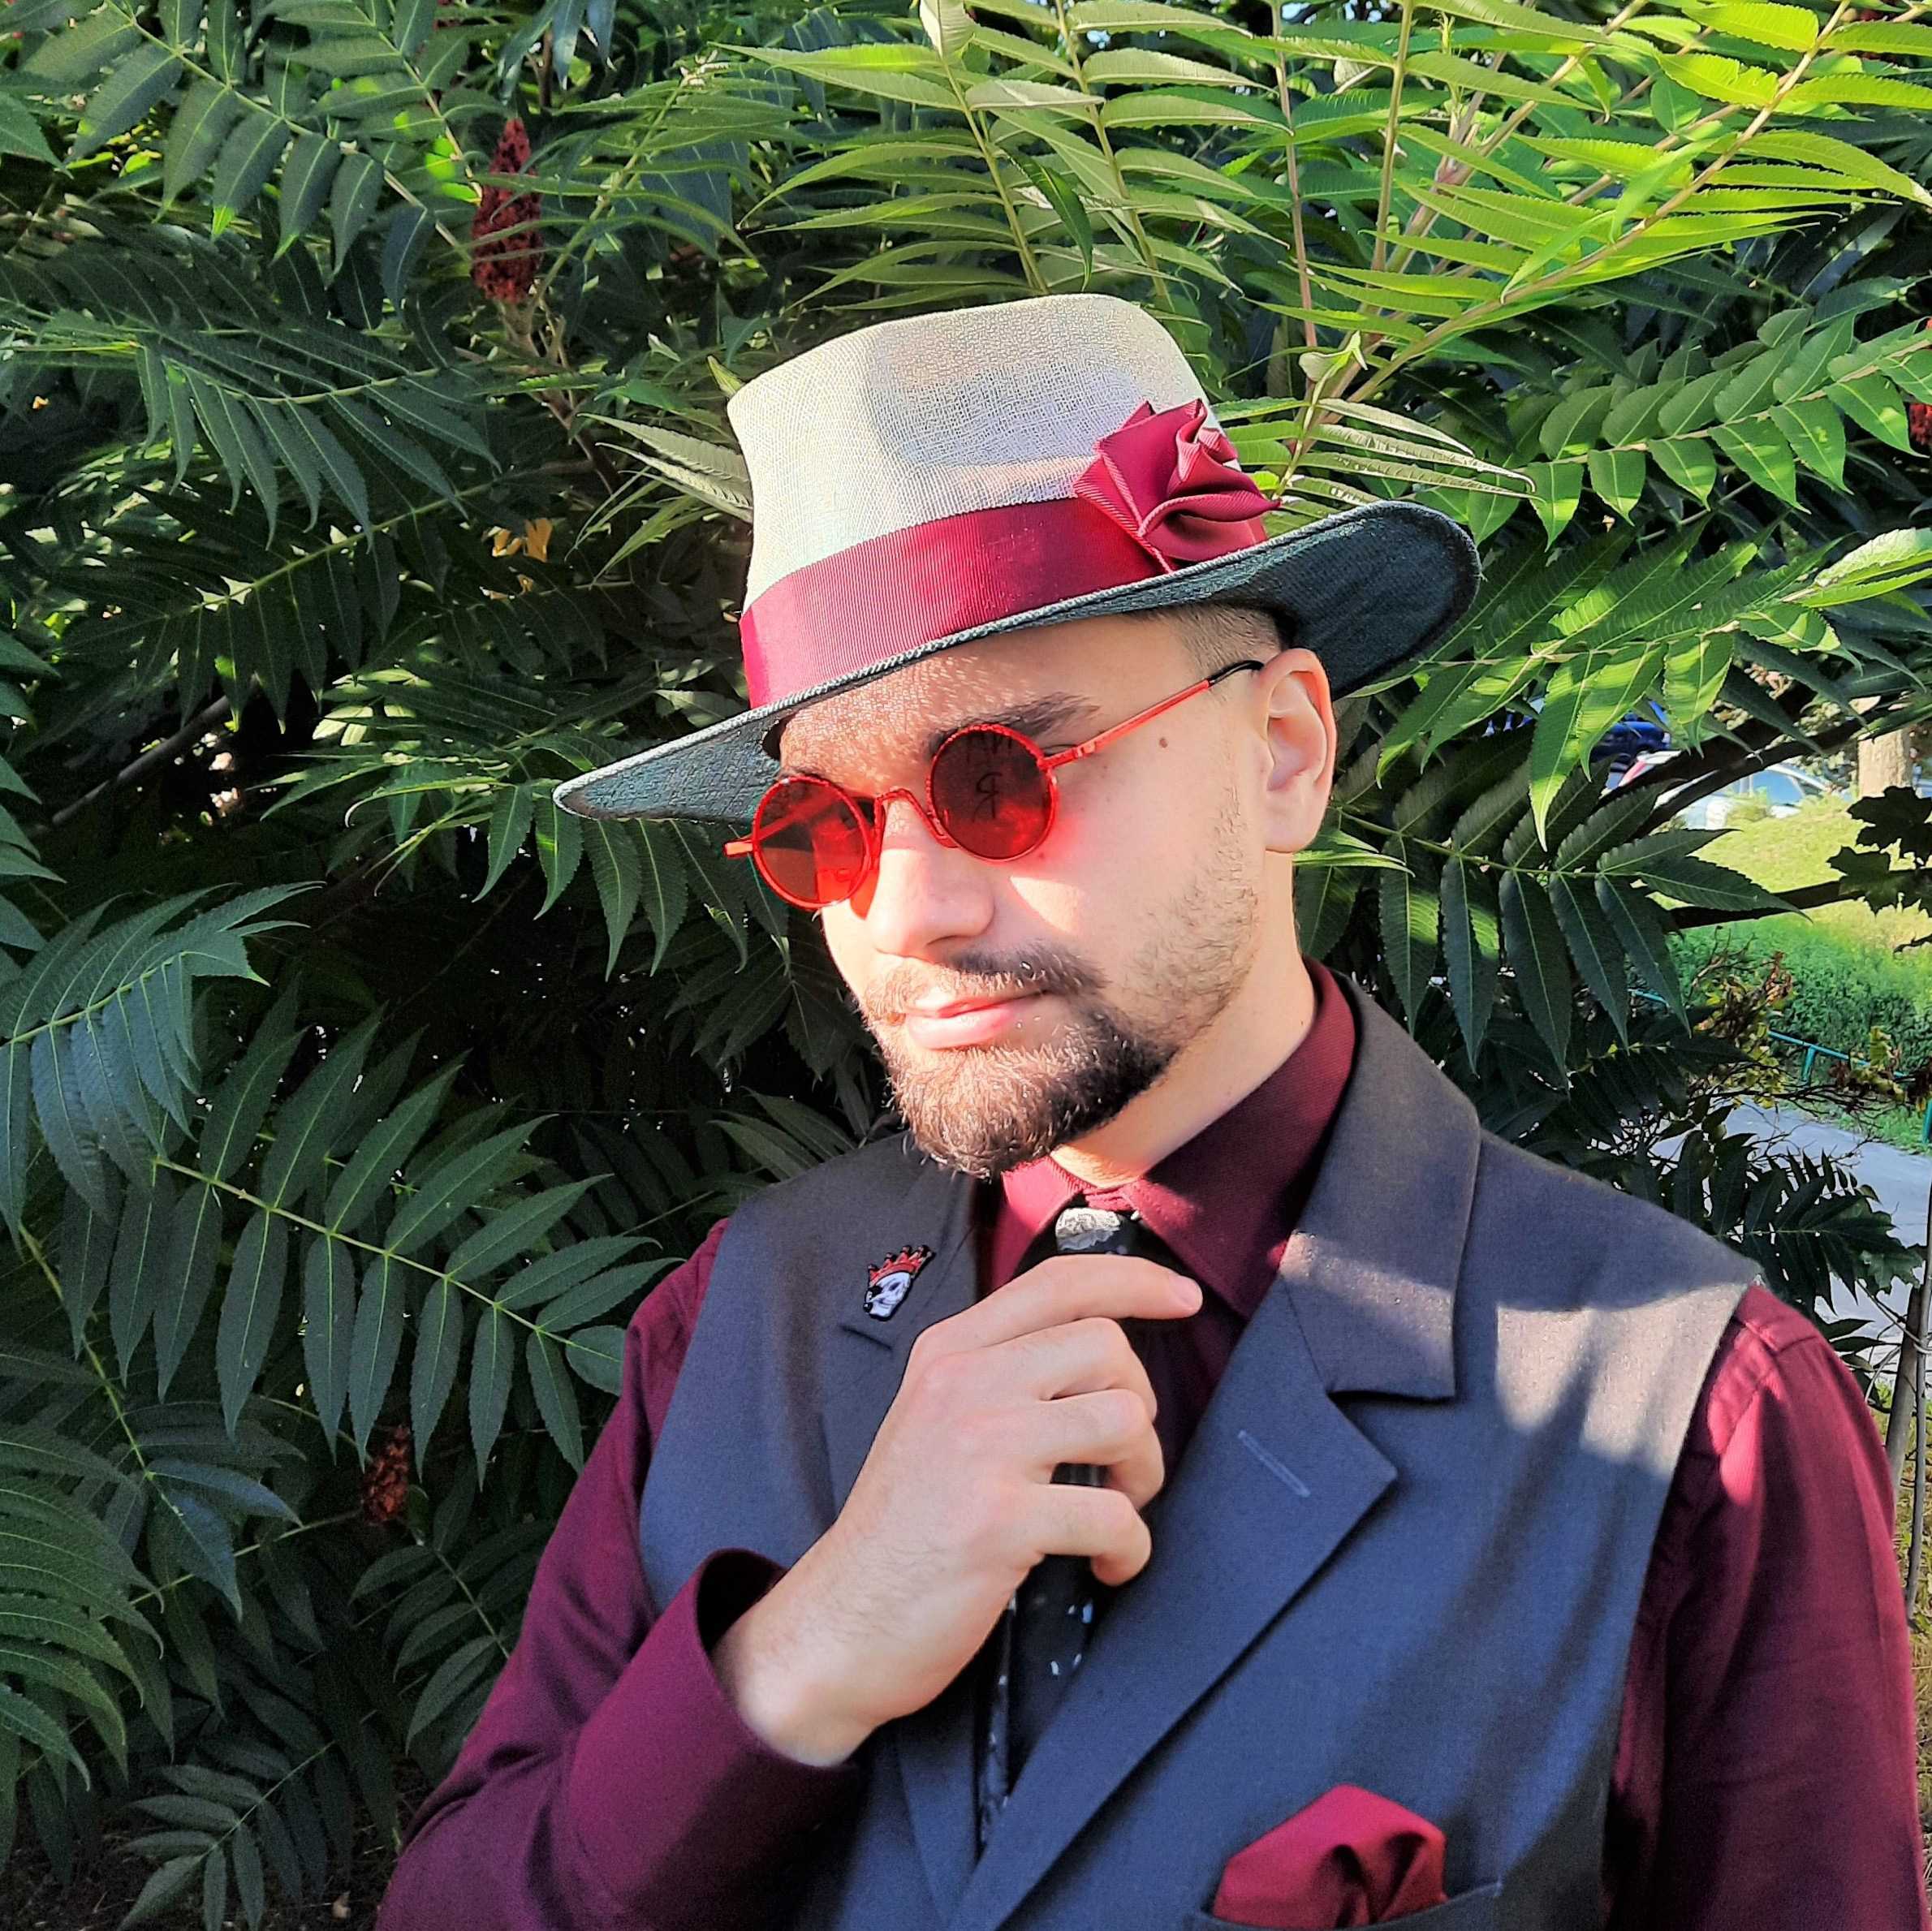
(1301, 724)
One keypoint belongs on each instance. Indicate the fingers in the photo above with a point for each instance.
(1102, 1524)
(1067, 1288)
(1109, 1428)
(1075, 1360)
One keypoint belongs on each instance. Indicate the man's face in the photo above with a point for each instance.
(1021, 1005)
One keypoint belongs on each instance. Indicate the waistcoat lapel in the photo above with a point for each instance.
(867, 1357)
(1277, 1477)
(935, 1746)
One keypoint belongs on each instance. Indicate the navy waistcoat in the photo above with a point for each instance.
(1404, 1549)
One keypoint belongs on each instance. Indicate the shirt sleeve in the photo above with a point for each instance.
(609, 1781)
(1766, 1769)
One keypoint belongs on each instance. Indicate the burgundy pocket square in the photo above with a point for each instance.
(1351, 1858)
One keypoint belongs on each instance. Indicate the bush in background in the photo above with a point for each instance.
(364, 473)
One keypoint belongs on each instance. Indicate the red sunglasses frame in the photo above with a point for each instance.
(870, 812)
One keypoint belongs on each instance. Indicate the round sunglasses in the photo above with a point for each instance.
(990, 791)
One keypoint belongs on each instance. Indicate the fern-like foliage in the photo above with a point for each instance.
(364, 473)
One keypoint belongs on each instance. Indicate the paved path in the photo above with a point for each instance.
(1901, 1181)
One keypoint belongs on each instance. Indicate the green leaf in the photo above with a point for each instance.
(21, 133)
(352, 200)
(619, 873)
(1643, 938)
(458, 1673)
(1872, 402)
(1594, 947)
(62, 1117)
(201, 124)
(559, 848)
(597, 1355)
(164, 1888)
(1849, 163)
(1538, 962)
(249, 1309)
(1557, 488)
(314, 1120)
(1587, 694)
(140, 1261)
(514, 1230)
(194, 1246)
(492, 1361)
(1757, 448)
(666, 888)
(65, 61)
(1472, 945)
(1617, 476)
(306, 178)
(1889, 563)
(510, 818)
(1793, 29)
(432, 1373)
(132, 88)
(1816, 432)
(1410, 914)
(247, 159)
(413, 20)
(1694, 670)
(556, 1399)
(614, 1285)
(196, 1537)
(87, 1245)
(371, 1170)
(246, 1860)
(454, 1185)
(374, 1343)
(242, 1101)
(328, 1327)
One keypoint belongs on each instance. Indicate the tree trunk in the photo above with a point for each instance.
(1883, 762)
(1900, 1430)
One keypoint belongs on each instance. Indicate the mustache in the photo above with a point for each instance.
(1055, 970)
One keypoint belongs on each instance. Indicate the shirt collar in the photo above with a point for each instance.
(1227, 1201)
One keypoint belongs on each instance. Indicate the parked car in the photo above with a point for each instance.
(1781, 791)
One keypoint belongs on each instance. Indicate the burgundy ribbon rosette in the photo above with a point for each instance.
(1173, 483)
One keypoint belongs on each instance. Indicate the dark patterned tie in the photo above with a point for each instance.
(1045, 1631)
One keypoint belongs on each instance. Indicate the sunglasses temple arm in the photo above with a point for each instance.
(1139, 718)
(738, 848)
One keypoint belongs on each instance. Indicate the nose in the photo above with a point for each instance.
(924, 894)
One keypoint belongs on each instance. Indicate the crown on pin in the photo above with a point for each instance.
(888, 1283)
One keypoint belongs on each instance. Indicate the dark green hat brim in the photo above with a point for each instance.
(1363, 590)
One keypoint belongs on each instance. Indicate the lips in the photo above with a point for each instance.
(963, 1023)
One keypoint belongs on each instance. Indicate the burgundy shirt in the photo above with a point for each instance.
(1766, 1771)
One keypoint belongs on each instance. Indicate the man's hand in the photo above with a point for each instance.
(956, 1503)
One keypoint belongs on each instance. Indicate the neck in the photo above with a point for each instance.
(1266, 1019)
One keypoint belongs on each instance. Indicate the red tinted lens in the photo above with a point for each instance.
(810, 843)
(990, 793)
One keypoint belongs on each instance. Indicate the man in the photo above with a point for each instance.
(1471, 1544)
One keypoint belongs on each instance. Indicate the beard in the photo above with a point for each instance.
(986, 1109)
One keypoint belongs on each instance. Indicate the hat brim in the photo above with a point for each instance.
(1363, 590)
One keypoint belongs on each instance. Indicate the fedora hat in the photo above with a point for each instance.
(924, 482)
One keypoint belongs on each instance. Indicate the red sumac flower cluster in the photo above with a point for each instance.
(507, 248)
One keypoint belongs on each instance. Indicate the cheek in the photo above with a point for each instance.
(845, 939)
(1128, 841)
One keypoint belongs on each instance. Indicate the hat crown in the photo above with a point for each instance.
(909, 422)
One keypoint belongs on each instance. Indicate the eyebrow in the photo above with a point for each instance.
(1036, 718)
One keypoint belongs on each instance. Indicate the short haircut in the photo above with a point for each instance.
(1216, 635)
